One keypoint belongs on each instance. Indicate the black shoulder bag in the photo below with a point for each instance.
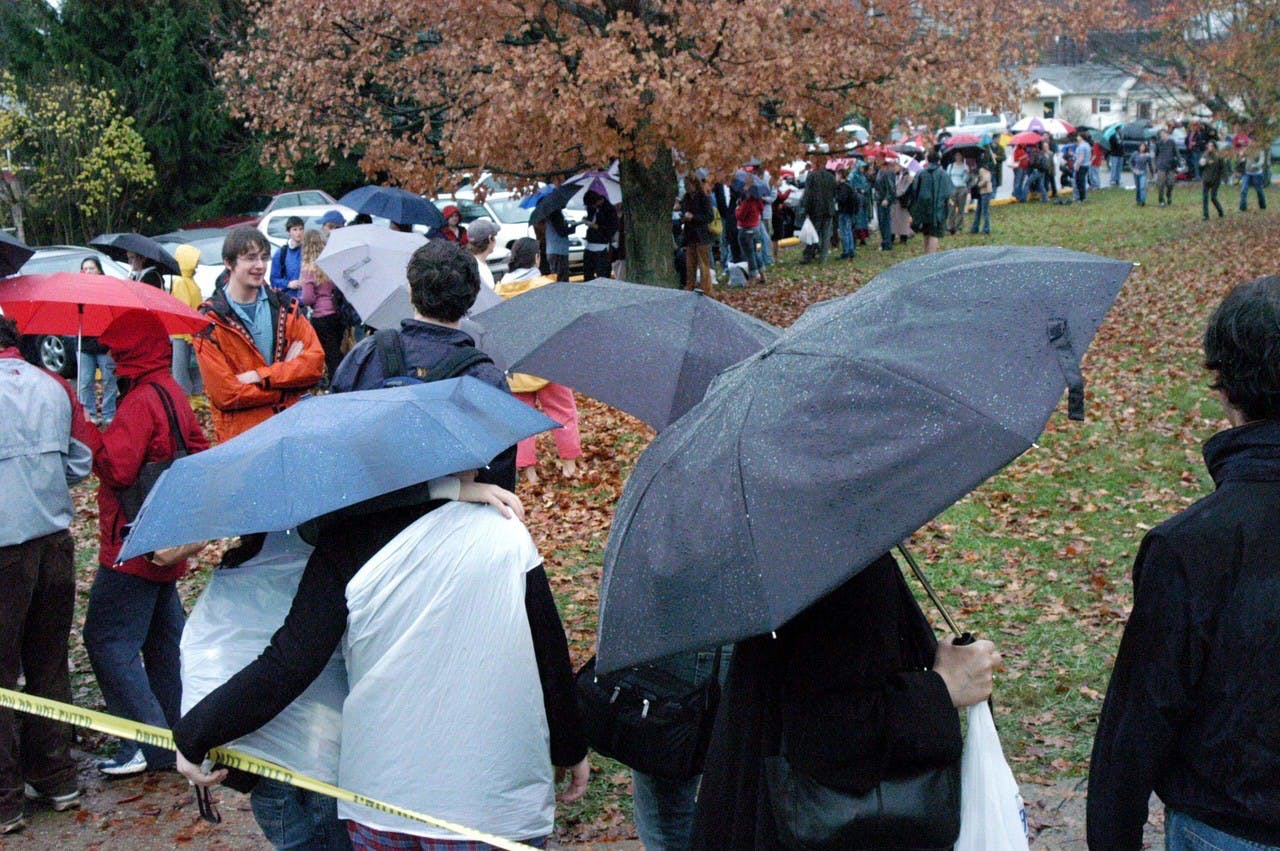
(649, 719)
(918, 808)
(132, 497)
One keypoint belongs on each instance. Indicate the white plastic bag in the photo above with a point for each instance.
(234, 619)
(992, 815)
(808, 233)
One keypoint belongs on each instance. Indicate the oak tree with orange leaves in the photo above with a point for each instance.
(1224, 53)
(537, 89)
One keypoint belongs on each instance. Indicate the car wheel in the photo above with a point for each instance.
(53, 354)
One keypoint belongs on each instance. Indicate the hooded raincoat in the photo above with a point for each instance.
(139, 434)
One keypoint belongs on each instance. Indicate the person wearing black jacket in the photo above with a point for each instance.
(695, 214)
(602, 227)
(853, 688)
(1193, 708)
(726, 201)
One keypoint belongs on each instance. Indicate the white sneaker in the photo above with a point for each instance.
(59, 803)
(113, 767)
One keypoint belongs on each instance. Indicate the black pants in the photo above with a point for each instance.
(596, 264)
(1210, 193)
(329, 329)
(559, 266)
(36, 607)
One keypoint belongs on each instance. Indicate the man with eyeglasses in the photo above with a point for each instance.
(260, 354)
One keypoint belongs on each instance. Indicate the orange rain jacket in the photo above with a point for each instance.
(225, 349)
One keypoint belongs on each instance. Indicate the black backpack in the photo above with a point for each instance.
(397, 373)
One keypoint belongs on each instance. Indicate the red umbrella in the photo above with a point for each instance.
(877, 151)
(1026, 137)
(962, 140)
(71, 303)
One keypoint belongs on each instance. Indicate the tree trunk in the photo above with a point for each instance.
(647, 198)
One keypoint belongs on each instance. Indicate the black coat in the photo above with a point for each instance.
(699, 205)
(819, 194)
(846, 683)
(1193, 708)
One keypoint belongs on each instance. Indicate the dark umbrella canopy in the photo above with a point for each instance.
(649, 351)
(13, 253)
(556, 199)
(117, 245)
(863, 421)
(390, 202)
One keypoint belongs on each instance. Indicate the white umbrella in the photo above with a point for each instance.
(1052, 126)
(368, 263)
(606, 183)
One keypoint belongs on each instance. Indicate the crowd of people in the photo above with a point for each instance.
(1191, 713)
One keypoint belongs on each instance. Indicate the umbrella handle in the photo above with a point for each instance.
(962, 638)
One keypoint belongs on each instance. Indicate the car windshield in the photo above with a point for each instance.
(210, 250)
(509, 211)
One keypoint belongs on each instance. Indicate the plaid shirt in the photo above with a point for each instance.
(364, 838)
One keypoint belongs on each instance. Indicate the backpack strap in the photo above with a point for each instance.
(390, 352)
(457, 363)
(174, 431)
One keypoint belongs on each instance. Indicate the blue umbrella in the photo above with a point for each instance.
(398, 205)
(327, 453)
(532, 201)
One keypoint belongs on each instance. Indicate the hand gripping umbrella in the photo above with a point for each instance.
(327, 453)
(649, 351)
(863, 421)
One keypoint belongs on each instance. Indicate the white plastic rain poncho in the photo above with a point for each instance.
(231, 624)
(445, 713)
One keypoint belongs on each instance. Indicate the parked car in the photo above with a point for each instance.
(208, 241)
(272, 224)
(57, 353)
(513, 222)
(263, 204)
(976, 124)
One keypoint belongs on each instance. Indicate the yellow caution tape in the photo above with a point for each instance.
(162, 738)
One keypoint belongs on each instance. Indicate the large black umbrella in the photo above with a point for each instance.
(863, 421)
(13, 253)
(649, 351)
(117, 246)
(556, 199)
(398, 205)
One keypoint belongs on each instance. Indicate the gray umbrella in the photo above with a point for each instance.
(649, 351)
(863, 421)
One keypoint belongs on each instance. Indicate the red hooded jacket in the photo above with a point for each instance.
(139, 433)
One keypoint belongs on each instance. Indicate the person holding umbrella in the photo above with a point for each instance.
(1193, 707)
(452, 229)
(144, 271)
(134, 615)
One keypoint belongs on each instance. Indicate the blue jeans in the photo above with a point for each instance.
(982, 218)
(1095, 179)
(131, 622)
(747, 245)
(1036, 183)
(86, 367)
(1117, 169)
(1020, 187)
(1183, 833)
(185, 369)
(1081, 181)
(848, 247)
(884, 218)
(1259, 183)
(766, 250)
(1140, 185)
(664, 811)
(294, 818)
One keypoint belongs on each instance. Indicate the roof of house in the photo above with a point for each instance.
(1085, 79)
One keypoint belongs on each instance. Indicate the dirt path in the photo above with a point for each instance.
(157, 811)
